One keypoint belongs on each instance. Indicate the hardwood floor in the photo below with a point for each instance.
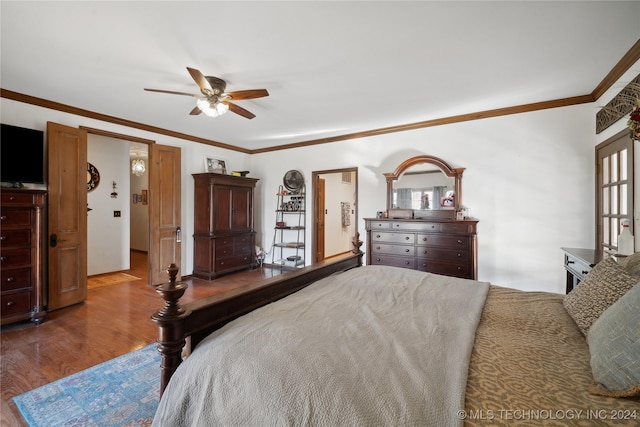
(114, 320)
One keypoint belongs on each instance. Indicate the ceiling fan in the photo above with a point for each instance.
(216, 101)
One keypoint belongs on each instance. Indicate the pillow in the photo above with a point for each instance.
(631, 264)
(614, 344)
(603, 286)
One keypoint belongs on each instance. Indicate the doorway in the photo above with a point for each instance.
(118, 218)
(335, 213)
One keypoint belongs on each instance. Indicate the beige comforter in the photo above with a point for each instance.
(371, 346)
(530, 366)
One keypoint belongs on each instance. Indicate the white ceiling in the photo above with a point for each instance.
(331, 68)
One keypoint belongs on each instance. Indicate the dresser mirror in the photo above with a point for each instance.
(424, 187)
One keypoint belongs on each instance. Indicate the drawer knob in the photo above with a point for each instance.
(459, 255)
(378, 247)
(585, 272)
(378, 259)
(407, 238)
(3, 258)
(571, 261)
(460, 241)
(3, 238)
(3, 217)
(407, 262)
(424, 239)
(10, 279)
(407, 250)
(377, 236)
(10, 303)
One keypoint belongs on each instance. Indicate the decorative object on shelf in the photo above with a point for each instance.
(215, 165)
(240, 173)
(114, 193)
(625, 239)
(93, 177)
(138, 167)
(634, 121)
(293, 180)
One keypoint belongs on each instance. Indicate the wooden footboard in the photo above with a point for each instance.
(198, 319)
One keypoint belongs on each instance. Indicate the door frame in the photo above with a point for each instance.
(315, 191)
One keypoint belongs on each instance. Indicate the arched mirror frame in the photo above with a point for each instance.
(455, 173)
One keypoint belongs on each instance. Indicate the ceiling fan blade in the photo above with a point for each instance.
(204, 85)
(241, 111)
(248, 94)
(173, 92)
(196, 110)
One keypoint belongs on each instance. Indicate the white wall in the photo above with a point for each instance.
(529, 179)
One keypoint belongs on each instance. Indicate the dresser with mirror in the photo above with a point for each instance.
(425, 226)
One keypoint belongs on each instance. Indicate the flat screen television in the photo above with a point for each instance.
(21, 155)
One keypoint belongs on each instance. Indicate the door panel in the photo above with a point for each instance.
(241, 215)
(164, 211)
(222, 202)
(67, 222)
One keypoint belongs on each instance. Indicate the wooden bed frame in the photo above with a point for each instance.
(182, 327)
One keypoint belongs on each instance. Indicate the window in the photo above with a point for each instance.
(614, 190)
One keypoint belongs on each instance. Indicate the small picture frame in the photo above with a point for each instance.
(144, 199)
(215, 165)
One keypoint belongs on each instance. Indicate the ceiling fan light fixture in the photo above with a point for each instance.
(212, 109)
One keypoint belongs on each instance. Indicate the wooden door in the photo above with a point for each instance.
(67, 186)
(319, 216)
(164, 212)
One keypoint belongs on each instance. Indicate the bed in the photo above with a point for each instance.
(345, 344)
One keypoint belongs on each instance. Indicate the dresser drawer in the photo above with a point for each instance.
(443, 240)
(578, 267)
(442, 254)
(18, 198)
(16, 278)
(417, 226)
(408, 238)
(18, 302)
(224, 242)
(13, 238)
(15, 217)
(383, 248)
(233, 262)
(394, 261)
(379, 225)
(455, 270)
(15, 257)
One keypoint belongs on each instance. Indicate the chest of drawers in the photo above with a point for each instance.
(436, 246)
(22, 257)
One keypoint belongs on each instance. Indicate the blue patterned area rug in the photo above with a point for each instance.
(120, 392)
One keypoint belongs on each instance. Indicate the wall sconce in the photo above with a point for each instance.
(137, 167)
(114, 194)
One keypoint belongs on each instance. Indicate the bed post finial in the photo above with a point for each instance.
(170, 321)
